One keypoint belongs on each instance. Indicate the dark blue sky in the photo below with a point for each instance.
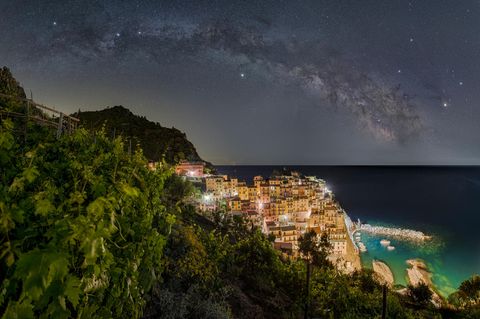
(266, 82)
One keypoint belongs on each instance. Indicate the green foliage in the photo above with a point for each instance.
(315, 250)
(467, 297)
(82, 227)
(10, 86)
(420, 294)
(469, 290)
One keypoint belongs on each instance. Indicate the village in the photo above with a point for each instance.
(283, 205)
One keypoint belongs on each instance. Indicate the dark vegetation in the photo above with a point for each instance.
(156, 141)
(88, 232)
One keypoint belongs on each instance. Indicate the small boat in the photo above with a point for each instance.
(384, 242)
(390, 247)
(362, 247)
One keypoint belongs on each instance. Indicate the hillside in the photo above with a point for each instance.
(155, 140)
(10, 86)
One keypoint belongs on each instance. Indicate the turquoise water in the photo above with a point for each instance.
(439, 200)
(447, 272)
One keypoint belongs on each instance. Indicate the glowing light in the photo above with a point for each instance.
(207, 197)
(54, 22)
(242, 75)
(309, 213)
(445, 104)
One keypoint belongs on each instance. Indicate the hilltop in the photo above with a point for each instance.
(155, 140)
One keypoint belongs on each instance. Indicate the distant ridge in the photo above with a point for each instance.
(155, 140)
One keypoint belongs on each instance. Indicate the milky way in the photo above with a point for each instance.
(386, 83)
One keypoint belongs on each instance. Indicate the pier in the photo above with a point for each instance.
(393, 232)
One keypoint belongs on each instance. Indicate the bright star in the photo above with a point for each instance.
(54, 22)
(242, 75)
(117, 34)
(460, 83)
(445, 104)
(139, 32)
(411, 39)
(399, 71)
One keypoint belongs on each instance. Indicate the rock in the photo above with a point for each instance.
(383, 273)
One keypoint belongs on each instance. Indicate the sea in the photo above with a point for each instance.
(441, 201)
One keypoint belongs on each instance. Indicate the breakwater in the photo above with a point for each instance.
(393, 232)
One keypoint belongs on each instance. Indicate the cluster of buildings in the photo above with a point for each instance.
(285, 206)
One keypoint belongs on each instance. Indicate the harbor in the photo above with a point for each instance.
(398, 232)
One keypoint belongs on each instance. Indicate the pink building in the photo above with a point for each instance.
(194, 169)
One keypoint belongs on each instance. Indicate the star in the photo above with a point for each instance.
(117, 34)
(139, 32)
(445, 104)
(54, 23)
(411, 39)
(242, 75)
(460, 83)
(399, 71)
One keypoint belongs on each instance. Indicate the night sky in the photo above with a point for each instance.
(265, 82)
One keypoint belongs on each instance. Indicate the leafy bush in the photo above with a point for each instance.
(82, 227)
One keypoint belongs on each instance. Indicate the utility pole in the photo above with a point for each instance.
(384, 301)
(27, 115)
(307, 300)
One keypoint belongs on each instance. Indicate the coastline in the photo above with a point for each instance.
(450, 257)
(353, 253)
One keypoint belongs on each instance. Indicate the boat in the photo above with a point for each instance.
(385, 242)
(391, 247)
(362, 247)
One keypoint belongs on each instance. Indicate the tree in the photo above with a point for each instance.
(468, 293)
(420, 294)
(470, 290)
(315, 250)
